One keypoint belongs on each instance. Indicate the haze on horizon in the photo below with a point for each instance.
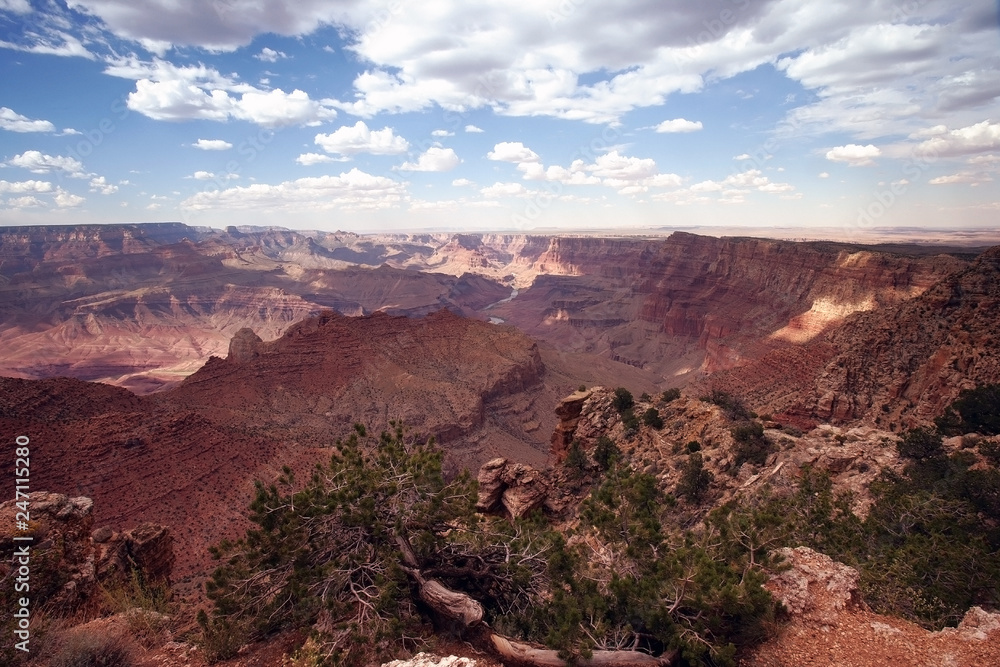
(546, 115)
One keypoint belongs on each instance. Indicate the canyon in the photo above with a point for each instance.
(161, 370)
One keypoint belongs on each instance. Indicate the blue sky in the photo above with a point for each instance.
(501, 114)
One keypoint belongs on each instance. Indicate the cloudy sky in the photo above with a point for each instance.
(501, 114)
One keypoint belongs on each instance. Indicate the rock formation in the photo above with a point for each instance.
(188, 457)
(69, 561)
(830, 625)
(516, 487)
(568, 411)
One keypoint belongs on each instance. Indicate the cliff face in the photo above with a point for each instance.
(905, 364)
(694, 303)
(894, 367)
(188, 457)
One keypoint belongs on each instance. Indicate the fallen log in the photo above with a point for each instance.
(462, 609)
(517, 654)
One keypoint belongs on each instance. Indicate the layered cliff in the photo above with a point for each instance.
(188, 457)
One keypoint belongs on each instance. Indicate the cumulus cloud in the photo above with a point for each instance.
(434, 159)
(27, 201)
(442, 133)
(269, 55)
(212, 145)
(65, 199)
(40, 163)
(12, 121)
(473, 129)
(854, 155)
(978, 138)
(498, 190)
(164, 91)
(679, 125)
(101, 185)
(19, 187)
(309, 159)
(462, 182)
(512, 151)
(963, 177)
(351, 190)
(351, 140)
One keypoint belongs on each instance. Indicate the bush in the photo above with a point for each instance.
(751, 444)
(582, 387)
(671, 394)
(623, 400)
(606, 452)
(576, 460)
(734, 408)
(693, 446)
(695, 480)
(89, 648)
(651, 417)
(920, 444)
(975, 410)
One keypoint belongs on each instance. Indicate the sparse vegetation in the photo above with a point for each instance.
(695, 480)
(651, 417)
(84, 647)
(623, 400)
(974, 411)
(752, 446)
(670, 395)
(606, 452)
(734, 408)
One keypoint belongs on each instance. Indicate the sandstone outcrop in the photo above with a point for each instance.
(70, 560)
(516, 487)
(568, 411)
(829, 625)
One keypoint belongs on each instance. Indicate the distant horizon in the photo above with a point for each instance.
(560, 115)
(876, 236)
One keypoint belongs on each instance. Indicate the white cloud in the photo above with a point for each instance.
(39, 163)
(962, 177)
(978, 138)
(164, 91)
(15, 6)
(679, 125)
(743, 156)
(824, 174)
(19, 187)
(351, 190)
(473, 129)
(202, 175)
(212, 145)
(65, 199)
(309, 159)
(27, 201)
(854, 155)
(351, 140)
(504, 190)
(269, 55)
(12, 121)
(512, 151)
(442, 133)
(462, 182)
(101, 185)
(434, 159)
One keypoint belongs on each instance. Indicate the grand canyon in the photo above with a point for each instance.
(162, 370)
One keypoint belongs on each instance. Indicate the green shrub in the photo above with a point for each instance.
(576, 460)
(975, 410)
(623, 400)
(695, 480)
(693, 446)
(670, 395)
(606, 452)
(751, 444)
(651, 417)
(734, 408)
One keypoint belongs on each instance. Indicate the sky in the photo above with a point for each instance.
(496, 115)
